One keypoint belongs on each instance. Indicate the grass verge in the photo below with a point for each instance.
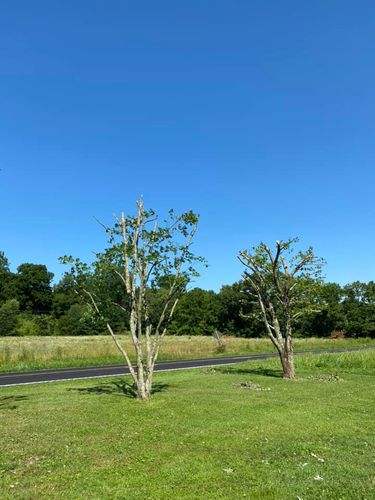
(226, 433)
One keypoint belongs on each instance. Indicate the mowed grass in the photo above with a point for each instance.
(202, 436)
(27, 353)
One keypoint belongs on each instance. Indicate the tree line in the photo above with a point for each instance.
(30, 304)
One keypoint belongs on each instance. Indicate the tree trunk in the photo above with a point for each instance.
(143, 390)
(287, 362)
(143, 383)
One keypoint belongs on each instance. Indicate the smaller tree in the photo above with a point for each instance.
(79, 320)
(64, 296)
(9, 314)
(285, 285)
(142, 255)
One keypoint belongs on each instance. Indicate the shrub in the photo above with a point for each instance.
(26, 325)
(45, 325)
(79, 320)
(9, 317)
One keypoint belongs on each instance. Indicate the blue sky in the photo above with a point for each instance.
(258, 115)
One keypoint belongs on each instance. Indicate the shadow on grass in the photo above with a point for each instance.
(118, 388)
(265, 372)
(9, 402)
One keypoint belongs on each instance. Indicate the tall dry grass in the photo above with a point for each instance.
(334, 363)
(358, 361)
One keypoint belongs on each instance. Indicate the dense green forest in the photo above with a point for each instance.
(31, 305)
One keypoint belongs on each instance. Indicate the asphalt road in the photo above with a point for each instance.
(58, 375)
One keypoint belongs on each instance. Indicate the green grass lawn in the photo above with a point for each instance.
(201, 436)
(28, 353)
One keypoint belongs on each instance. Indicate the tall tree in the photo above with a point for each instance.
(33, 289)
(359, 307)
(5, 278)
(284, 283)
(196, 313)
(236, 312)
(331, 316)
(4, 263)
(141, 252)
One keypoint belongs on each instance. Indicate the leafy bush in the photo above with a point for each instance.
(9, 317)
(79, 320)
(45, 325)
(26, 325)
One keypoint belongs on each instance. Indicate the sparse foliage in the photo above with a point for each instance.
(145, 257)
(285, 285)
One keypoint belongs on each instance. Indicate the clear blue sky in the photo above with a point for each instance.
(258, 115)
